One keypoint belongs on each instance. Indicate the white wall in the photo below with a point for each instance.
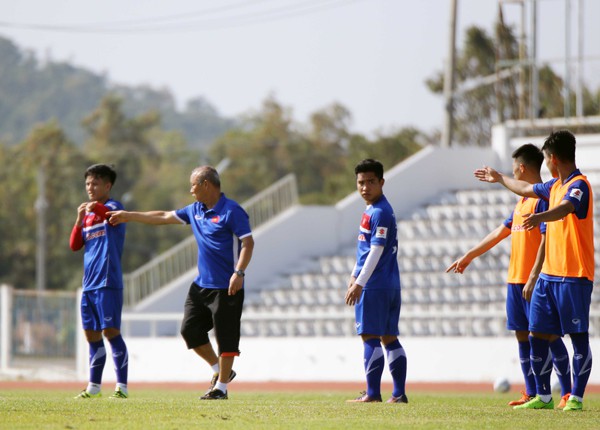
(417, 181)
(332, 359)
(587, 155)
(307, 232)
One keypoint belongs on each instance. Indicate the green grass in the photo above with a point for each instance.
(170, 409)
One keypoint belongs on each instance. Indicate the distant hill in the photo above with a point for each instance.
(33, 91)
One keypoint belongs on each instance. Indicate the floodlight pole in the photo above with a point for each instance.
(449, 78)
(41, 206)
(533, 87)
(567, 78)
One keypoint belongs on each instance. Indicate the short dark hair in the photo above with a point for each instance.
(562, 144)
(102, 171)
(530, 155)
(370, 165)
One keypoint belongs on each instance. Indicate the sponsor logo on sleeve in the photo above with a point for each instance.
(381, 232)
(576, 193)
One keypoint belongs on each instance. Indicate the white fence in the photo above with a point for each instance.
(37, 324)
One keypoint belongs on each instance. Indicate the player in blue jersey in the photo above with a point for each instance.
(561, 300)
(102, 298)
(526, 258)
(215, 299)
(374, 287)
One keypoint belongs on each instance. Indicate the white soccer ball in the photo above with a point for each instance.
(501, 385)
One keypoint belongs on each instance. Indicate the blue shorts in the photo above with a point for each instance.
(560, 307)
(378, 312)
(517, 308)
(101, 309)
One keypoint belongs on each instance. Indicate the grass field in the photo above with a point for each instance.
(173, 409)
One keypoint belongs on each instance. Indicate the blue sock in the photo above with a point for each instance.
(562, 367)
(97, 361)
(524, 353)
(541, 363)
(397, 363)
(120, 358)
(582, 362)
(374, 363)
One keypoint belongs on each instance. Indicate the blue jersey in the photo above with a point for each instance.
(103, 249)
(217, 232)
(378, 227)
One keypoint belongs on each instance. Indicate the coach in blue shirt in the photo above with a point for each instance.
(215, 299)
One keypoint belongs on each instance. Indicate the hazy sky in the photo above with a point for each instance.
(372, 56)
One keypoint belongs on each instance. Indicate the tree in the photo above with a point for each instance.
(258, 150)
(46, 148)
(477, 109)
(119, 140)
(268, 145)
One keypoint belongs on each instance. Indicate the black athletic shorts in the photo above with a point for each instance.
(208, 308)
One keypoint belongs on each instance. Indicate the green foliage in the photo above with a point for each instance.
(476, 110)
(61, 119)
(46, 149)
(177, 409)
(34, 91)
(268, 145)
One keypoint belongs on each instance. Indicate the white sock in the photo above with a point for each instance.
(123, 388)
(545, 397)
(215, 367)
(579, 399)
(93, 388)
(221, 386)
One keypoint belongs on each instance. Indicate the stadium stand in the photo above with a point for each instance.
(434, 303)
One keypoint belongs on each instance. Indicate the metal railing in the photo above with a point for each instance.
(182, 258)
(35, 324)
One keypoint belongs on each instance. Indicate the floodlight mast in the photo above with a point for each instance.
(449, 79)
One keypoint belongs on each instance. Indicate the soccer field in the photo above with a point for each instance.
(176, 409)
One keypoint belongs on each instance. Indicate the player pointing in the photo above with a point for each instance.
(526, 258)
(216, 297)
(560, 303)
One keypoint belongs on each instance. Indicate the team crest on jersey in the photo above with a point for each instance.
(361, 237)
(576, 193)
(365, 223)
(381, 232)
(215, 219)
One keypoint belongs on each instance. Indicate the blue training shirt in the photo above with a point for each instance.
(103, 250)
(378, 227)
(218, 232)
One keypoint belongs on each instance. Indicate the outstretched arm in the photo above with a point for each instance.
(492, 239)
(558, 212)
(151, 217)
(522, 188)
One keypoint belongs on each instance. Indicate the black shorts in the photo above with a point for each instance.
(208, 308)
